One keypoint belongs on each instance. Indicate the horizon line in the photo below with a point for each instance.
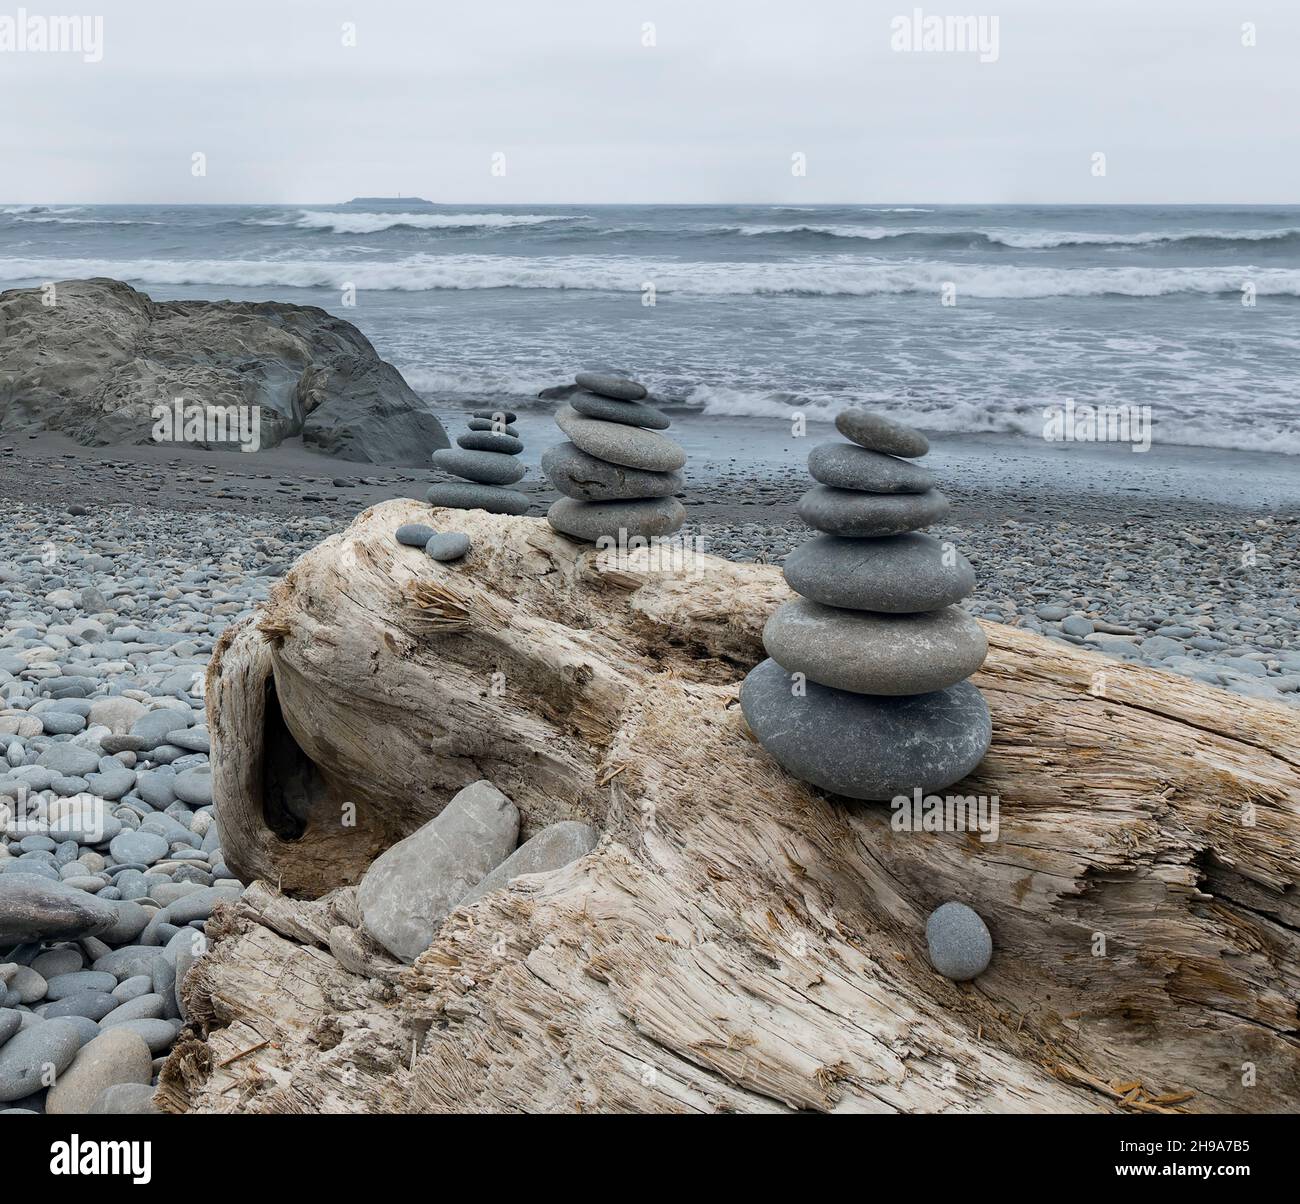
(695, 204)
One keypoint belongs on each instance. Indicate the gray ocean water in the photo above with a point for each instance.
(761, 310)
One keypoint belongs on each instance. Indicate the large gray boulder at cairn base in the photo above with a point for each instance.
(867, 746)
(646, 518)
(412, 887)
(94, 365)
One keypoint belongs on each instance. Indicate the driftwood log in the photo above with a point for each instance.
(738, 941)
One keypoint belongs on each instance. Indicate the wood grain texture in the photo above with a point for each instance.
(738, 941)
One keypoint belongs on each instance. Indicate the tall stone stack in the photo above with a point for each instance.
(865, 694)
(485, 460)
(617, 473)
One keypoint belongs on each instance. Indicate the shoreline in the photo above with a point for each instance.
(1185, 559)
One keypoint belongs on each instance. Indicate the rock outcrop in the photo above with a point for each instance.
(95, 363)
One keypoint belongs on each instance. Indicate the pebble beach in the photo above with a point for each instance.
(120, 568)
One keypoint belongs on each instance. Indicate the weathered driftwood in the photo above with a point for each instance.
(738, 941)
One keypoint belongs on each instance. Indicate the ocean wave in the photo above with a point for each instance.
(504, 383)
(837, 276)
(373, 223)
(1019, 240)
(43, 218)
(989, 416)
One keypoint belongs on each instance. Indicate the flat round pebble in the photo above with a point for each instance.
(876, 432)
(609, 385)
(959, 942)
(448, 545)
(415, 535)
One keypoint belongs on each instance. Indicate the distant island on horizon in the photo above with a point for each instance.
(388, 200)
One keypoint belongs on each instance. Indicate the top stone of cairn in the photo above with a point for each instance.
(878, 433)
(609, 385)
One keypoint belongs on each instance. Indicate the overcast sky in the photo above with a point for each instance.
(583, 111)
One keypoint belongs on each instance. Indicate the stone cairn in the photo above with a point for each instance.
(616, 472)
(485, 462)
(865, 692)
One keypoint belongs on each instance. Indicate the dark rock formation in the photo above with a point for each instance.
(94, 365)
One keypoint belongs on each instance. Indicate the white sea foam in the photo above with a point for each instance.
(372, 223)
(991, 415)
(828, 276)
(1020, 240)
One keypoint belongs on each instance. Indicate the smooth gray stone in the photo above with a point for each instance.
(630, 446)
(154, 727)
(415, 535)
(62, 723)
(878, 433)
(490, 441)
(896, 574)
(111, 785)
(609, 385)
(156, 788)
(196, 739)
(94, 1005)
(140, 848)
(199, 904)
(487, 424)
(29, 985)
(11, 1020)
(848, 466)
(163, 975)
(862, 746)
(26, 1056)
(112, 1058)
(185, 947)
(130, 923)
(482, 467)
(551, 849)
(133, 988)
(464, 495)
(126, 743)
(960, 944)
(868, 653)
(34, 908)
(847, 512)
(125, 1099)
(86, 1028)
(592, 521)
(629, 413)
(448, 545)
(194, 787)
(64, 960)
(63, 986)
(144, 1007)
(575, 474)
(69, 760)
(411, 888)
(494, 415)
(158, 1035)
